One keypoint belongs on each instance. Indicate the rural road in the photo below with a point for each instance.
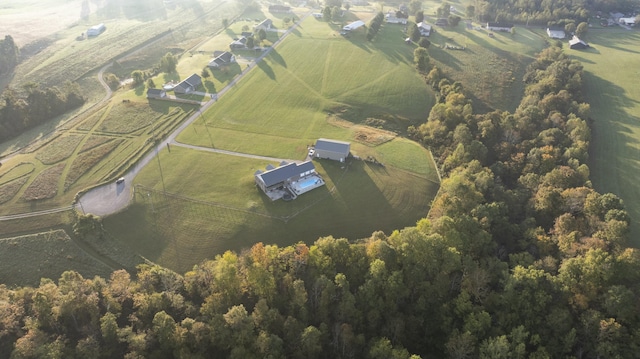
(110, 198)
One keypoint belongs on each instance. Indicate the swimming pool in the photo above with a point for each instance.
(308, 183)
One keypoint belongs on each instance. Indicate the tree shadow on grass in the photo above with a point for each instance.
(264, 66)
(209, 86)
(618, 169)
(277, 58)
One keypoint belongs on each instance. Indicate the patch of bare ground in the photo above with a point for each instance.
(367, 135)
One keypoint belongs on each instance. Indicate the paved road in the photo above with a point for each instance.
(111, 197)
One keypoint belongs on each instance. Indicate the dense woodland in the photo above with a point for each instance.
(541, 12)
(20, 112)
(518, 258)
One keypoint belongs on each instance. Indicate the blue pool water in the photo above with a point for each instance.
(307, 183)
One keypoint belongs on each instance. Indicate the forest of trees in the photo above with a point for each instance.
(519, 258)
(18, 113)
(545, 11)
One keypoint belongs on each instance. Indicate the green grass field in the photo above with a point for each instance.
(316, 84)
(49, 254)
(611, 79)
(220, 208)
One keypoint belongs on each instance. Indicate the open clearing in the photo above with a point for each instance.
(25, 259)
(612, 77)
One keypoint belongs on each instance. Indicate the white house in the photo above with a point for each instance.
(425, 29)
(555, 33)
(265, 25)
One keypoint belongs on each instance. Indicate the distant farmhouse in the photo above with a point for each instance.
(556, 33)
(425, 29)
(96, 30)
(156, 93)
(279, 9)
(353, 26)
(497, 26)
(288, 180)
(393, 18)
(317, 15)
(188, 85)
(577, 44)
(221, 59)
(241, 43)
(332, 149)
(265, 25)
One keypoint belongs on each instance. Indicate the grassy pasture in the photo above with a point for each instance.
(311, 74)
(221, 212)
(49, 254)
(611, 78)
(490, 68)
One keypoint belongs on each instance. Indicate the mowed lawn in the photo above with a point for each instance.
(612, 72)
(219, 207)
(306, 88)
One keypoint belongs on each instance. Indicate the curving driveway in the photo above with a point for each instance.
(111, 197)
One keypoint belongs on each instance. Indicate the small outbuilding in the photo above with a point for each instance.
(353, 26)
(332, 149)
(96, 30)
(393, 18)
(498, 26)
(156, 93)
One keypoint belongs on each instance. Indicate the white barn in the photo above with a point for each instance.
(96, 30)
(353, 26)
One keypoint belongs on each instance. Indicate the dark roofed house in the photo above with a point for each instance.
(156, 93)
(266, 24)
(498, 26)
(279, 178)
(189, 84)
(332, 149)
(223, 59)
(279, 8)
(576, 44)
